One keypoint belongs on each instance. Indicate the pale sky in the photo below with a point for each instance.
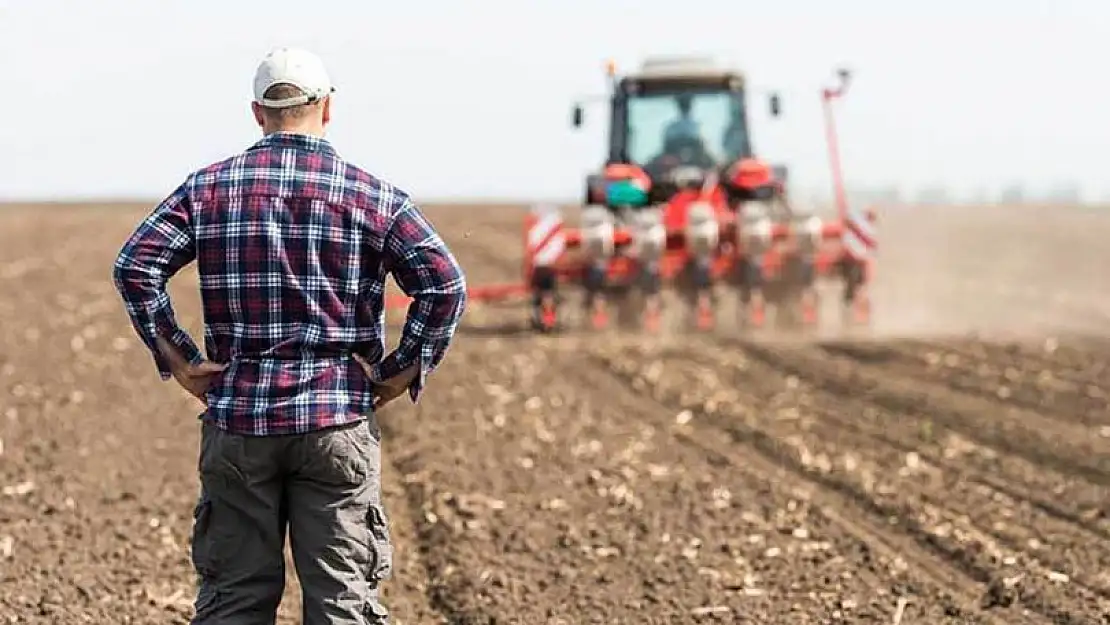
(123, 98)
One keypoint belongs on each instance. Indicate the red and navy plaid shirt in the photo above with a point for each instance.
(293, 246)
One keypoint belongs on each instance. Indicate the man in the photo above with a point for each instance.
(684, 126)
(293, 246)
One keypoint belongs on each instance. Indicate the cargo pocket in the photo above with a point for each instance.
(374, 612)
(381, 547)
(201, 549)
(381, 564)
(204, 560)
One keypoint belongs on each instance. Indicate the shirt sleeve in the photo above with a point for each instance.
(161, 245)
(426, 271)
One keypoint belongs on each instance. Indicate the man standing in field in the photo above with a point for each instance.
(293, 246)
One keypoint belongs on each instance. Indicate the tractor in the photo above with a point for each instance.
(683, 204)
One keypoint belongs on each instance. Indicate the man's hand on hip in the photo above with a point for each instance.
(195, 379)
(388, 390)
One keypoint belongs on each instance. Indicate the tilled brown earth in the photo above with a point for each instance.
(584, 479)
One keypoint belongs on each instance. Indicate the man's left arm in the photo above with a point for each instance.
(428, 272)
(162, 244)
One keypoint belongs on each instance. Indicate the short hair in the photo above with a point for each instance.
(282, 91)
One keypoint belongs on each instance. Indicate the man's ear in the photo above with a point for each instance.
(327, 110)
(257, 110)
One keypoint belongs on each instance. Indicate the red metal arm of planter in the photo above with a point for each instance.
(486, 293)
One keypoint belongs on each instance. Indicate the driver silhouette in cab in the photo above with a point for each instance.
(684, 126)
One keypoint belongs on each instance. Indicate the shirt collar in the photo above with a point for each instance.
(294, 140)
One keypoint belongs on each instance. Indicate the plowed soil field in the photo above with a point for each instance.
(952, 469)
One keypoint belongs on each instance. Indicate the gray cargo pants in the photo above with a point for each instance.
(326, 488)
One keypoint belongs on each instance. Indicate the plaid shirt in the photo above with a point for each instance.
(293, 246)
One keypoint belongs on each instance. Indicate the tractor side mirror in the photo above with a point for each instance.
(577, 116)
(775, 105)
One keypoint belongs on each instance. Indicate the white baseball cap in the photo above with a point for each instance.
(296, 67)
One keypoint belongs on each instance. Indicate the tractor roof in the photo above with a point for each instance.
(678, 67)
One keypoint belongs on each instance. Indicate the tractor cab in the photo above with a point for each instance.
(677, 120)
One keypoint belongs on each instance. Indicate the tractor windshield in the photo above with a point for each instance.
(703, 128)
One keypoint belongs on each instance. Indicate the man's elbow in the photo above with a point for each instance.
(119, 272)
(460, 292)
(125, 274)
(451, 301)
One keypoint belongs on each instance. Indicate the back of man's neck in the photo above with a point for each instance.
(308, 131)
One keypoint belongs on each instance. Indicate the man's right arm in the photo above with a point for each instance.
(428, 272)
(161, 245)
